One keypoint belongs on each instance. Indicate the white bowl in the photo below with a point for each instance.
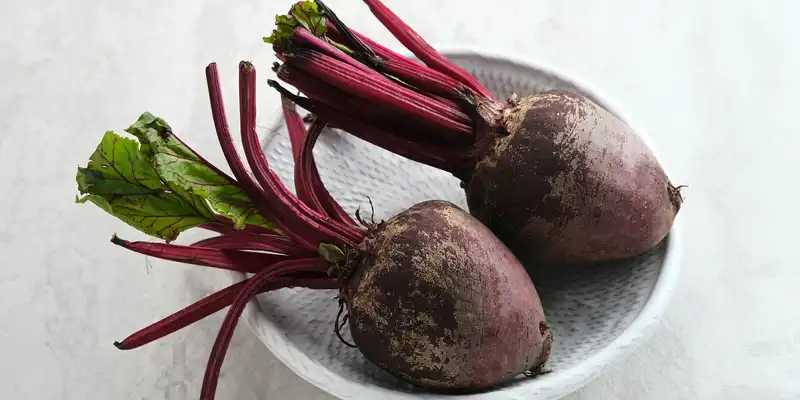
(598, 315)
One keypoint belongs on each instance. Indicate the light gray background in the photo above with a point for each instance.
(714, 82)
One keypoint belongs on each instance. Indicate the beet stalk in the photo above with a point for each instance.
(214, 303)
(556, 177)
(273, 243)
(308, 183)
(230, 259)
(491, 327)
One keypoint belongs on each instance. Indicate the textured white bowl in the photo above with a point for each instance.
(597, 314)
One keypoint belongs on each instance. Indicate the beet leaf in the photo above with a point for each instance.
(121, 180)
(160, 186)
(304, 14)
(179, 165)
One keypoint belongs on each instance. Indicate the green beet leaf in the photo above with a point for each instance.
(305, 14)
(182, 168)
(121, 180)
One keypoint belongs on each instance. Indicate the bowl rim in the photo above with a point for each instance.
(550, 386)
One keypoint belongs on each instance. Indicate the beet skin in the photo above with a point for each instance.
(440, 302)
(571, 183)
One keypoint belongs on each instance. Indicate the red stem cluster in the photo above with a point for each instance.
(430, 154)
(253, 286)
(269, 242)
(234, 260)
(277, 260)
(308, 183)
(432, 111)
(216, 302)
(381, 90)
(421, 49)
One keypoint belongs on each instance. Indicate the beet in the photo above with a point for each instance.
(444, 306)
(571, 183)
(432, 296)
(555, 176)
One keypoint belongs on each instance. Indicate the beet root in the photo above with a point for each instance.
(440, 302)
(571, 183)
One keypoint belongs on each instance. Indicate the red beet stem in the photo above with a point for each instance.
(303, 39)
(224, 133)
(384, 52)
(309, 174)
(237, 166)
(383, 92)
(295, 127)
(305, 235)
(234, 260)
(410, 71)
(284, 206)
(435, 156)
(306, 39)
(254, 284)
(297, 134)
(272, 243)
(381, 51)
(424, 51)
(212, 304)
(343, 101)
(283, 202)
(367, 111)
(426, 79)
(183, 318)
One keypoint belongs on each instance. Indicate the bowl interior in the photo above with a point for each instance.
(587, 308)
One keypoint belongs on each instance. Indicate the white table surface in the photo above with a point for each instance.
(714, 82)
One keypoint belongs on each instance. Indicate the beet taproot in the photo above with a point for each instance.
(440, 302)
(570, 182)
(558, 178)
(432, 296)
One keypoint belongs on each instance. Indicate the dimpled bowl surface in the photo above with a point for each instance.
(597, 314)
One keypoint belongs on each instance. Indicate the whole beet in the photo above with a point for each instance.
(439, 301)
(559, 179)
(434, 297)
(571, 183)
